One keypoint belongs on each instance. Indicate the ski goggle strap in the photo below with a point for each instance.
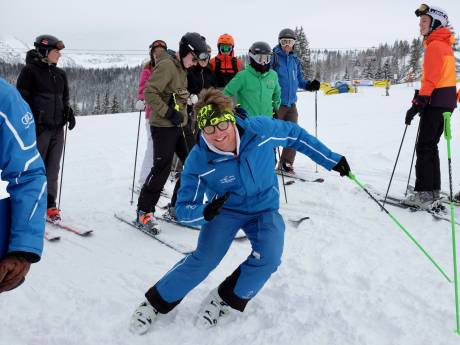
(225, 48)
(209, 116)
(287, 42)
(423, 9)
(261, 59)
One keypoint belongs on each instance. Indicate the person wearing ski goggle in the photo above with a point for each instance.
(436, 96)
(225, 65)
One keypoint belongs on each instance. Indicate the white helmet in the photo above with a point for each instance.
(438, 16)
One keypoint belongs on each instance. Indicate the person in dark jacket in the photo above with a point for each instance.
(199, 77)
(45, 88)
(436, 96)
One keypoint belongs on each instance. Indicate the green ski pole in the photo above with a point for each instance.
(448, 137)
(419, 246)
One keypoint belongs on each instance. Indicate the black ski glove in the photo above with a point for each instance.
(342, 167)
(275, 113)
(314, 85)
(418, 105)
(213, 208)
(176, 117)
(69, 116)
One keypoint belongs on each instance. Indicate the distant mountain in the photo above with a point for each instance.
(13, 50)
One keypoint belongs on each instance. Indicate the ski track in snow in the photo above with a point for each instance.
(349, 275)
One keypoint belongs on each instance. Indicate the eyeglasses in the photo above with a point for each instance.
(261, 59)
(225, 48)
(287, 42)
(200, 57)
(423, 9)
(211, 129)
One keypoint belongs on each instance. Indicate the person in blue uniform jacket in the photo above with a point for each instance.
(234, 166)
(22, 215)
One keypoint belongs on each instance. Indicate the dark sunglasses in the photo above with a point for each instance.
(222, 126)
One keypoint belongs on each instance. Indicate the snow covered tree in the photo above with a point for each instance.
(115, 108)
(415, 55)
(303, 52)
(346, 76)
(106, 104)
(97, 108)
(386, 70)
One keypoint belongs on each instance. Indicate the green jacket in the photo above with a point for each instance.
(168, 78)
(257, 93)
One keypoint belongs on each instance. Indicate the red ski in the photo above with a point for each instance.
(62, 225)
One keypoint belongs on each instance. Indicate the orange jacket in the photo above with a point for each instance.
(228, 64)
(438, 73)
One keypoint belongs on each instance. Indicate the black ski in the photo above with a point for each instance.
(152, 235)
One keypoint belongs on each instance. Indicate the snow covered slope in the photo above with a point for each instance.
(349, 275)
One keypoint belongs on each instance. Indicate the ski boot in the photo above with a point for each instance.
(147, 222)
(421, 200)
(212, 310)
(143, 318)
(53, 215)
(170, 213)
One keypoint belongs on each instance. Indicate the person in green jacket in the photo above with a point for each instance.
(256, 88)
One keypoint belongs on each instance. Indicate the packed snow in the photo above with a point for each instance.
(349, 275)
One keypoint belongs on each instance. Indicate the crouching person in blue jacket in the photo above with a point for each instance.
(234, 166)
(22, 215)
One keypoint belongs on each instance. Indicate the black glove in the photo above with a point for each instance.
(342, 167)
(313, 85)
(69, 116)
(418, 105)
(275, 113)
(213, 208)
(176, 117)
(410, 114)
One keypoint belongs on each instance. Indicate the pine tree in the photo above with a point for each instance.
(106, 104)
(415, 55)
(368, 71)
(97, 108)
(379, 72)
(303, 52)
(346, 76)
(386, 70)
(394, 70)
(115, 108)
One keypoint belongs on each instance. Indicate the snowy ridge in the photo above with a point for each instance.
(348, 276)
(13, 50)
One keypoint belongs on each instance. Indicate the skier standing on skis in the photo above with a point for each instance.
(233, 165)
(140, 105)
(22, 215)
(287, 65)
(166, 92)
(256, 88)
(225, 65)
(436, 96)
(44, 87)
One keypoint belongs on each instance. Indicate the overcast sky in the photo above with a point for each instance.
(133, 24)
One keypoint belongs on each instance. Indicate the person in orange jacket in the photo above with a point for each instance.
(436, 96)
(225, 65)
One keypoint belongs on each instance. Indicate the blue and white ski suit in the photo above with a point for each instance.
(22, 215)
(252, 206)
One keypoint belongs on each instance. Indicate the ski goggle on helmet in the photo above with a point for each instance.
(287, 42)
(438, 16)
(209, 118)
(261, 59)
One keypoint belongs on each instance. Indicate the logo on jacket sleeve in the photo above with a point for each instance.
(27, 120)
(227, 179)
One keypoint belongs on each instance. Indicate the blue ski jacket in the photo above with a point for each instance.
(290, 75)
(250, 177)
(22, 216)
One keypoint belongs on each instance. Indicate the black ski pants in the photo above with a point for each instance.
(166, 141)
(427, 169)
(50, 144)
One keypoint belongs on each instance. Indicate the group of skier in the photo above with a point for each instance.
(228, 180)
